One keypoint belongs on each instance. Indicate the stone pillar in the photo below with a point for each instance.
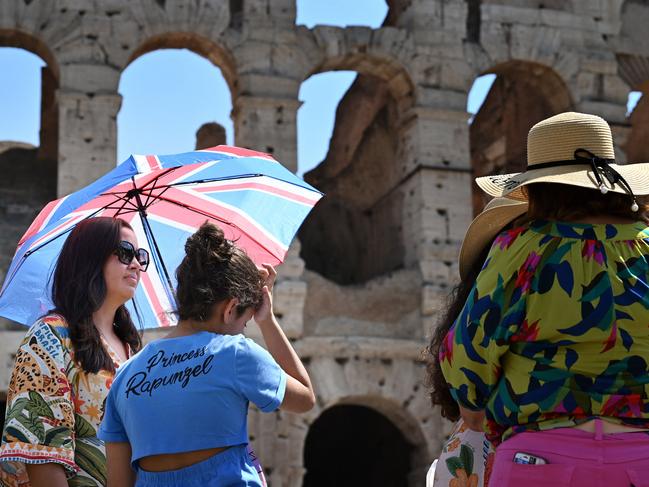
(278, 440)
(438, 200)
(289, 296)
(434, 20)
(88, 105)
(601, 91)
(49, 131)
(268, 124)
(290, 293)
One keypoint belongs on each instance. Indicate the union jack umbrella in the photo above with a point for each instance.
(253, 198)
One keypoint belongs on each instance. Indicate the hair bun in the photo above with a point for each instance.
(209, 244)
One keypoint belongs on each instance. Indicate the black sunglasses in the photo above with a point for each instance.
(125, 252)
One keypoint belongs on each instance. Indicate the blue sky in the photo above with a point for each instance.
(157, 117)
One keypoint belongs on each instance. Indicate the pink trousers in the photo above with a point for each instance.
(575, 458)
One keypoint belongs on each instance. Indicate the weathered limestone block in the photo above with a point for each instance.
(621, 134)
(268, 125)
(507, 14)
(611, 112)
(445, 149)
(438, 213)
(88, 140)
(387, 306)
(604, 12)
(541, 44)
(615, 89)
(597, 61)
(289, 297)
(205, 18)
(89, 79)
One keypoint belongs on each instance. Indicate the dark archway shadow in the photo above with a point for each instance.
(354, 234)
(523, 94)
(354, 445)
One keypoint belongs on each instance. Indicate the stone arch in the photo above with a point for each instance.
(369, 52)
(29, 173)
(210, 58)
(203, 46)
(354, 444)
(31, 43)
(633, 68)
(357, 218)
(390, 383)
(523, 94)
(50, 79)
(403, 419)
(383, 375)
(539, 39)
(635, 145)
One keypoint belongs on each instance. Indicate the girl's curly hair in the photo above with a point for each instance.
(215, 269)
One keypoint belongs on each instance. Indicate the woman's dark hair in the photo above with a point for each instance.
(79, 289)
(439, 392)
(555, 201)
(215, 269)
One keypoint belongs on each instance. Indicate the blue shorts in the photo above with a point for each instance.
(236, 466)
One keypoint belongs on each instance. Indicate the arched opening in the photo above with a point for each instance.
(29, 104)
(28, 136)
(341, 13)
(354, 445)
(320, 95)
(522, 94)
(633, 68)
(636, 148)
(355, 232)
(176, 98)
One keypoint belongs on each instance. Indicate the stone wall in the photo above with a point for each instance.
(380, 250)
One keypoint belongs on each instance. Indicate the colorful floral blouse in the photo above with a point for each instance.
(54, 409)
(556, 329)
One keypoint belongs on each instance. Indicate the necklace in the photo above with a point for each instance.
(110, 347)
(101, 333)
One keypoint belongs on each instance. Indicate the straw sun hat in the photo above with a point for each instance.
(498, 213)
(574, 149)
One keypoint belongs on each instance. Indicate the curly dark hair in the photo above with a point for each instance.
(215, 269)
(438, 389)
(79, 289)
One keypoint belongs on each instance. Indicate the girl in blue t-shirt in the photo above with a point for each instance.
(177, 411)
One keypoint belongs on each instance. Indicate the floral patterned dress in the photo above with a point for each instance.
(54, 409)
(555, 331)
(466, 460)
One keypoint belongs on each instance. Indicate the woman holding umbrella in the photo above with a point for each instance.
(66, 363)
(177, 412)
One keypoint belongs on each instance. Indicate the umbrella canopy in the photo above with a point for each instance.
(255, 200)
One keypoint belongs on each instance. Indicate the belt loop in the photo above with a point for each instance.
(599, 429)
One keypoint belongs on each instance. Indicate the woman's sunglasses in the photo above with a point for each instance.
(125, 252)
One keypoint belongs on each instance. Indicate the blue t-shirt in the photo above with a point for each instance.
(190, 393)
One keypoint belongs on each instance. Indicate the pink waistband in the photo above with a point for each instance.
(577, 443)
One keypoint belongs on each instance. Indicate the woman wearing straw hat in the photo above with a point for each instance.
(552, 344)
(467, 454)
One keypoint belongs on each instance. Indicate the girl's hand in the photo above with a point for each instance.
(265, 313)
